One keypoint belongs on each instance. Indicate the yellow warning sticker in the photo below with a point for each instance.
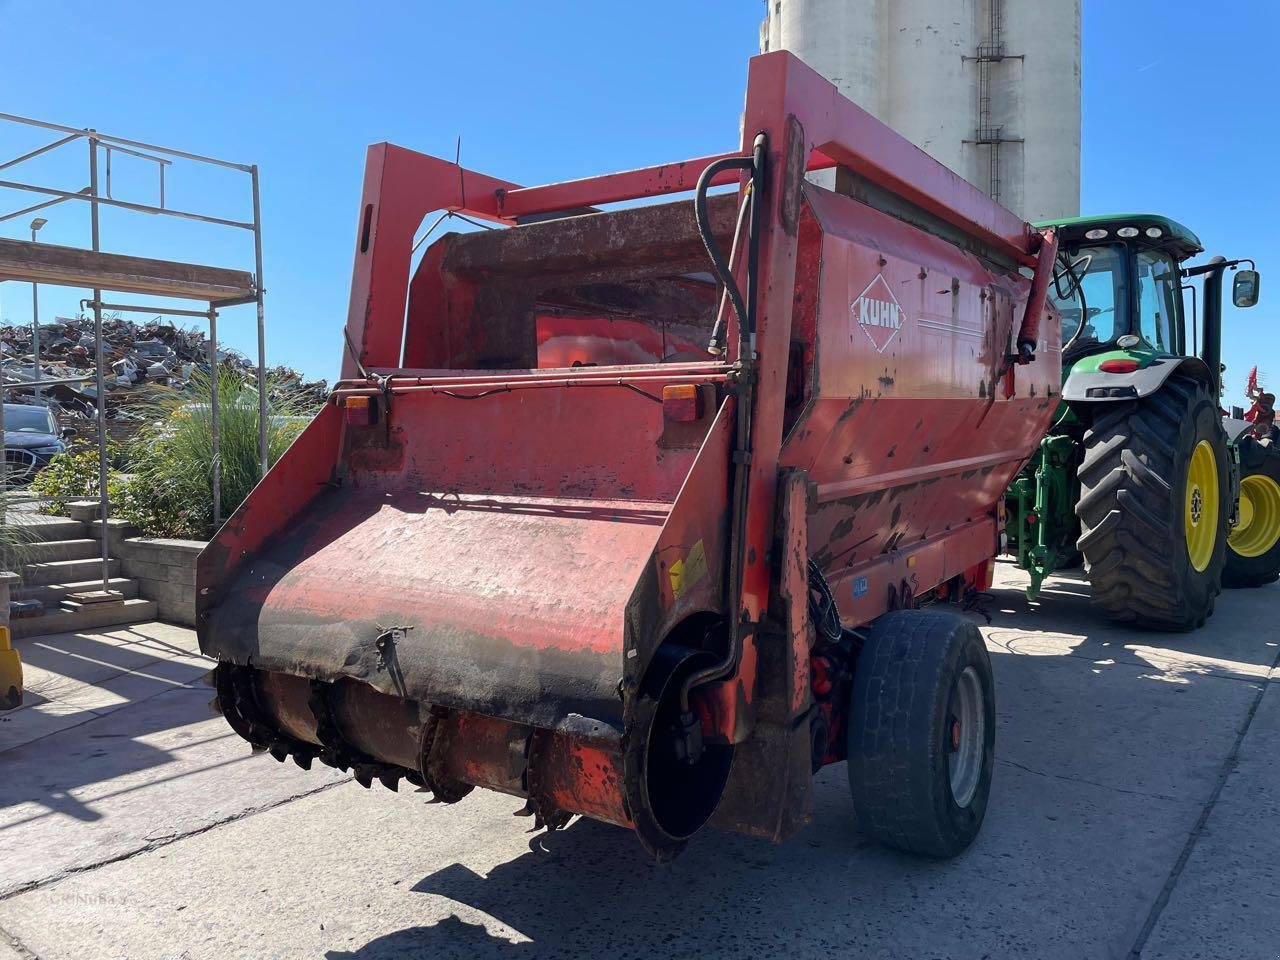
(688, 571)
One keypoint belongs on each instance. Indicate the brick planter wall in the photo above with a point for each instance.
(165, 571)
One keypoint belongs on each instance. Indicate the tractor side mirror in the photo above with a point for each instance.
(1244, 288)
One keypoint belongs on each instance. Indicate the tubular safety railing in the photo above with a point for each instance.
(99, 193)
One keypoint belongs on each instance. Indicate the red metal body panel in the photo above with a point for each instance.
(833, 127)
(906, 435)
(611, 188)
(400, 188)
(518, 542)
(305, 470)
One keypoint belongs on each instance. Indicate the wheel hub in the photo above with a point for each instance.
(967, 723)
(1259, 526)
(1201, 512)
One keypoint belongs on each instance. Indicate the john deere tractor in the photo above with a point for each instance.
(1137, 477)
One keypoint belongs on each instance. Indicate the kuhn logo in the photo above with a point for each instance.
(877, 312)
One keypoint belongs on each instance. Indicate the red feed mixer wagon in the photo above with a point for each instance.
(633, 512)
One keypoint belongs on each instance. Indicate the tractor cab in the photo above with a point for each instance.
(1120, 287)
(1117, 284)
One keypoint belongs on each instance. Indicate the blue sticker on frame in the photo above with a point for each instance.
(860, 586)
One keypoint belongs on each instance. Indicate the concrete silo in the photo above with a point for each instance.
(989, 87)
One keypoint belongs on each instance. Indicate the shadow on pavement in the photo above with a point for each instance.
(95, 659)
(1063, 621)
(1106, 757)
(49, 771)
(589, 890)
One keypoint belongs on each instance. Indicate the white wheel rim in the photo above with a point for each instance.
(966, 734)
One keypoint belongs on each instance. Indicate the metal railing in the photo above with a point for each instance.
(164, 157)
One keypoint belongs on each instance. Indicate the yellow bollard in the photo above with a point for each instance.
(10, 673)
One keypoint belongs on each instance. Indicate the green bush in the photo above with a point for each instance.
(74, 476)
(170, 490)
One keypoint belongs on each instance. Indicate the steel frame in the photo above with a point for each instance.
(163, 157)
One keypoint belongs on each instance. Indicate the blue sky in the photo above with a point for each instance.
(1178, 119)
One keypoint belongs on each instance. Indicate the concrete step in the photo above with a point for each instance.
(40, 526)
(44, 551)
(83, 510)
(63, 619)
(66, 571)
(55, 593)
(119, 529)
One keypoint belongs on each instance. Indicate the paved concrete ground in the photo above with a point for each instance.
(1134, 812)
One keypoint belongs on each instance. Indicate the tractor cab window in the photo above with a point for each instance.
(1087, 288)
(1159, 295)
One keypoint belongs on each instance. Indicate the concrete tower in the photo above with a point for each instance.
(991, 88)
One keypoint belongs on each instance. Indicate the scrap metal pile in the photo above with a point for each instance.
(138, 357)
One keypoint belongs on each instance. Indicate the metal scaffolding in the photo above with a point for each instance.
(92, 268)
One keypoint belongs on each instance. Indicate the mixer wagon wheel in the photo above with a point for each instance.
(670, 794)
(921, 732)
(1253, 548)
(1154, 505)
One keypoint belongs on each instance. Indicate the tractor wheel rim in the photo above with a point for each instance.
(1201, 513)
(1259, 528)
(966, 736)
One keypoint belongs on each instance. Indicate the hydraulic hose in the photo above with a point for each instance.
(715, 345)
(721, 266)
(823, 612)
(746, 381)
(747, 337)
(1084, 306)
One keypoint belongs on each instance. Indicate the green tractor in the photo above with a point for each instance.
(1138, 478)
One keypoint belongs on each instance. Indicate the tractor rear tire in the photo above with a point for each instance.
(1253, 549)
(1154, 505)
(921, 732)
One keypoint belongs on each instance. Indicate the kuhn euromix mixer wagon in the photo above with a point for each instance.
(631, 511)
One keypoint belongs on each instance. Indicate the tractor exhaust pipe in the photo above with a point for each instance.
(1211, 351)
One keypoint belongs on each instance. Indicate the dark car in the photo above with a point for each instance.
(31, 439)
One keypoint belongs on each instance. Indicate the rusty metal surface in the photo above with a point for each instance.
(484, 751)
(509, 575)
(307, 468)
(506, 605)
(285, 698)
(400, 188)
(604, 446)
(907, 437)
(388, 738)
(585, 778)
(490, 299)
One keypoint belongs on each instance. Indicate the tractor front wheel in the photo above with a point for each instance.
(1154, 505)
(1253, 548)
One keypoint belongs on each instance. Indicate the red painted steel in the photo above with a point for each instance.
(907, 436)
(1029, 334)
(521, 557)
(629, 185)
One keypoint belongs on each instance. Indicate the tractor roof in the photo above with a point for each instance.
(1181, 241)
